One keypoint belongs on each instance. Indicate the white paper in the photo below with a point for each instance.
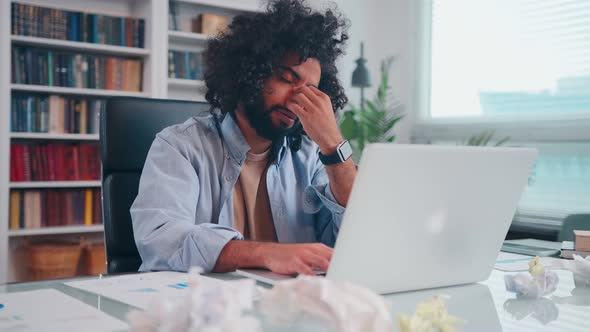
(140, 289)
(52, 310)
(509, 262)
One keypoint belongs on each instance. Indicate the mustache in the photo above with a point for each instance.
(277, 107)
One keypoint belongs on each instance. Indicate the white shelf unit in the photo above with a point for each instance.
(186, 37)
(50, 136)
(75, 91)
(54, 184)
(79, 46)
(234, 5)
(155, 84)
(56, 230)
(11, 266)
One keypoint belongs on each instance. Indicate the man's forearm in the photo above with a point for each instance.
(240, 254)
(341, 178)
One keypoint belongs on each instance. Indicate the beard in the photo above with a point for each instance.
(259, 118)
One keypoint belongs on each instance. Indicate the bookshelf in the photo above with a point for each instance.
(11, 258)
(155, 83)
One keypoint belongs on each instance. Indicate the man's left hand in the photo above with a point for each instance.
(314, 110)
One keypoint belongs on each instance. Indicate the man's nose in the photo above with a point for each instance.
(295, 87)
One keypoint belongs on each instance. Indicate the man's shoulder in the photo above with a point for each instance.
(193, 128)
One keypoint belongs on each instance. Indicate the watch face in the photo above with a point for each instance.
(345, 151)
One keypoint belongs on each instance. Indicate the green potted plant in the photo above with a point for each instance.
(484, 139)
(373, 122)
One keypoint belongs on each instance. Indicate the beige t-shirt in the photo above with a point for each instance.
(252, 214)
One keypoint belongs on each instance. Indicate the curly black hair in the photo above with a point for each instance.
(240, 59)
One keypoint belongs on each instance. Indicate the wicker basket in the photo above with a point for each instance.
(94, 259)
(52, 260)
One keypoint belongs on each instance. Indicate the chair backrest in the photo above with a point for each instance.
(127, 129)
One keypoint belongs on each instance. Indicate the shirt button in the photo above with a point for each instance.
(227, 156)
(229, 178)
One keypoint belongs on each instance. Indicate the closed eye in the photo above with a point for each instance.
(288, 75)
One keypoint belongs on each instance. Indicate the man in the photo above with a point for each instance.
(264, 178)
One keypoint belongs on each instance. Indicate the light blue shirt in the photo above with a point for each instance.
(183, 213)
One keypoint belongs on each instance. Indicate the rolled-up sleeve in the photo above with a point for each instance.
(163, 214)
(320, 200)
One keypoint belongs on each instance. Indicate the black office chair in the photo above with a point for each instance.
(127, 130)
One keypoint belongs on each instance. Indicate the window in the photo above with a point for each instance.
(522, 69)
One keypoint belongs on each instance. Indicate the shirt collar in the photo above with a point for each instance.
(236, 142)
(234, 139)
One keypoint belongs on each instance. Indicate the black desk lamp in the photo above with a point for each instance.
(360, 76)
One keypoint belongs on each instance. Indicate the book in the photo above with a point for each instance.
(210, 24)
(54, 162)
(582, 240)
(40, 66)
(15, 197)
(36, 21)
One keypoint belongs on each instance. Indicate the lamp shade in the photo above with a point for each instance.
(360, 75)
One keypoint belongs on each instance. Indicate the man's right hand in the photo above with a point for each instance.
(295, 258)
(300, 258)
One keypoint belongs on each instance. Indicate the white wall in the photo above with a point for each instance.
(387, 27)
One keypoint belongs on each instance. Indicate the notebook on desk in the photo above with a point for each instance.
(459, 201)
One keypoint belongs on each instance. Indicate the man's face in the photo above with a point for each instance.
(268, 115)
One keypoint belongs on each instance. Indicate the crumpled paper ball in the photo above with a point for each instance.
(219, 307)
(344, 306)
(535, 284)
(580, 267)
(430, 315)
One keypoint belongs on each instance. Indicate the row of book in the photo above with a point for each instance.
(31, 209)
(185, 65)
(54, 162)
(55, 114)
(35, 21)
(46, 67)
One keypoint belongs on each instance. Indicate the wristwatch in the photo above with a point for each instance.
(342, 153)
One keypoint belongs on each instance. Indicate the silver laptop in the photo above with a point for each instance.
(425, 216)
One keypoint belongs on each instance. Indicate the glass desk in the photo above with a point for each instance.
(484, 306)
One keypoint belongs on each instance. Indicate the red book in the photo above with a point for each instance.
(76, 162)
(33, 160)
(51, 162)
(71, 163)
(60, 173)
(44, 163)
(19, 162)
(83, 166)
(12, 163)
(93, 162)
(27, 162)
